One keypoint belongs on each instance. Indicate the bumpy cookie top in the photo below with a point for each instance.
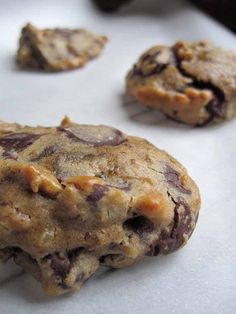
(190, 82)
(56, 180)
(77, 196)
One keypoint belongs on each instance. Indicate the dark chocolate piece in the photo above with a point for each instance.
(97, 136)
(17, 142)
(171, 240)
(173, 178)
(216, 107)
(60, 264)
(97, 193)
(139, 225)
(154, 63)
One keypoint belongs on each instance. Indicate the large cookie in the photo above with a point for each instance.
(58, 49)
(75, 197)
(190, 82)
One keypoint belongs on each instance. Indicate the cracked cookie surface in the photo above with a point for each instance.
(75, 197)
(57, 49)
(192, 83)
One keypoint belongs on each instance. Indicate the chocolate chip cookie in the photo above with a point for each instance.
(75, 197)
(57, 49)
(190, 82)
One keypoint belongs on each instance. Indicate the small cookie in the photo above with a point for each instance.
(57, 49)
(75, 197)
(190, 82)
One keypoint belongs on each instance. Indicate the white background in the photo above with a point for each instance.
(201, 278)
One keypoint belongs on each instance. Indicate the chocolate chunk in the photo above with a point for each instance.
(17, 142)
(172, 239)
(215, 108)
(63, 285)
(60, 264)
(154, 62)
(173, 178)
(95, 135)
(74, 253)
(97, 193)
(139, 225)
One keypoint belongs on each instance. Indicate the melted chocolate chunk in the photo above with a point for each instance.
(154, 63)
(17, 142)
(74, 253)
(172, 239)
(97, 193)
(139, 225)
(173, 178)
(95, 135)
(216, 107)
(60, 264)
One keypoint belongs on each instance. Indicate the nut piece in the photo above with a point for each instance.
(41, 180)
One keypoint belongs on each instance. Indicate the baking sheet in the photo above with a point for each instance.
(201, 278)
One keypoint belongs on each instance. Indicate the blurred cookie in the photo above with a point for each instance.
(58, 49)
(190, 82)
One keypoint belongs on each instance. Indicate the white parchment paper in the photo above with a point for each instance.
(201, 278)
